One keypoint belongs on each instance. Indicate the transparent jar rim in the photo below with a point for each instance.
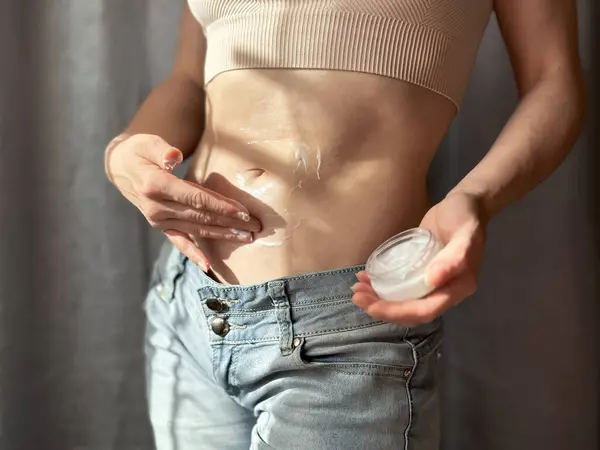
(403, 236)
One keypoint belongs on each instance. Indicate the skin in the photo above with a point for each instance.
(541, 37)
(329, 164)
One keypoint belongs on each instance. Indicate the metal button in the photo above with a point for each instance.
(214, 304)
(296, 342)
(219, 326)
(407, 373)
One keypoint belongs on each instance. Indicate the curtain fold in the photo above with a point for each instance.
(520, 358)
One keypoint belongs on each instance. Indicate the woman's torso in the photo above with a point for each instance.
(331, 162)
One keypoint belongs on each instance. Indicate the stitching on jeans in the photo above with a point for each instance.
(356, 368)
(320, 298)
(369, 369)
(333, 330)
(327, 301)
(408, 393)
(430, 344)
(285, 279)
(319, 303)
(393, 375)
(241, 313)
(232, 371)
(245, 341)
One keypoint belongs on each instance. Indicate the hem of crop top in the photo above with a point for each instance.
(349, 42)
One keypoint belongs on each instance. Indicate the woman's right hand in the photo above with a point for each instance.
(140, 167)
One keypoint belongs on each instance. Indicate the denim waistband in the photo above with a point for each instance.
(299, 290)
(299, 305)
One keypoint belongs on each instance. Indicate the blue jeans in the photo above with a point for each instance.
(288, 364)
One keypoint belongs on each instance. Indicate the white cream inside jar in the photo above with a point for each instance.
(397, 267)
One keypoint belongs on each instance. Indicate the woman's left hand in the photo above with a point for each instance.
(458, 222)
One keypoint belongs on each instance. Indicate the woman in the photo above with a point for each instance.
(310, 127)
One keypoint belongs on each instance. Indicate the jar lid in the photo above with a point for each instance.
(403, 253)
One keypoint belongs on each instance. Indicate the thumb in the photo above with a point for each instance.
(450, 262)
(171, 158)
(157, 151)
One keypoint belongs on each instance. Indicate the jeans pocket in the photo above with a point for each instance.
(380, 350)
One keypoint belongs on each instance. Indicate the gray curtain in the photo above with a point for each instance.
(521, 357)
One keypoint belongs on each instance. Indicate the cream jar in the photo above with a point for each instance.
(397, 267)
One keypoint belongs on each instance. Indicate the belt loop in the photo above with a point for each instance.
(276, 290)
(171, 266)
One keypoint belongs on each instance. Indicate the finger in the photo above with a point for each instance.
(171, 158)
(416, 312)
(207, 231)
(364, 299)
(157, 212)
(451, 261)
(193, 195)
(363, 287)
(184, 244)
(363, 277)
(157, 150)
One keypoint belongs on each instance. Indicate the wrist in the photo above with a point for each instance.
(478, 198)
(114, 143)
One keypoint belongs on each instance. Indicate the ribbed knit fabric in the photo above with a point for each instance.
(431, 43)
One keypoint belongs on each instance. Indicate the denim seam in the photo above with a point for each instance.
(232, 313)
(244, 341)
(232, 371)
(424, 349)
(333, 330)
(320, 303)
(408, 392)
(371, 369)
(365, 373)
(377, 370)
(284, 279)
(323, 302)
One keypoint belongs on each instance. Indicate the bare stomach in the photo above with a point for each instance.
(331, 163)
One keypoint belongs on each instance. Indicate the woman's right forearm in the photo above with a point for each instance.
(174, 110)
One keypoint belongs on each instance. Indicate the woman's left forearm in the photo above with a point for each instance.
(532, 145)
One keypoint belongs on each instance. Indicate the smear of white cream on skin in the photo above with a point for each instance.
(254, 192)
(318, 162)
(269, 243)
(268, 141)
(302, 157)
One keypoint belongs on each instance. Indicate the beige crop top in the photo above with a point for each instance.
(431, 43)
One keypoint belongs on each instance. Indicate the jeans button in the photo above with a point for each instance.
(219, 326)
(214, 304)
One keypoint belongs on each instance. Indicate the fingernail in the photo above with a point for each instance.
(241, 235)
(170, 164)
(203, 266)
(243, 216)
